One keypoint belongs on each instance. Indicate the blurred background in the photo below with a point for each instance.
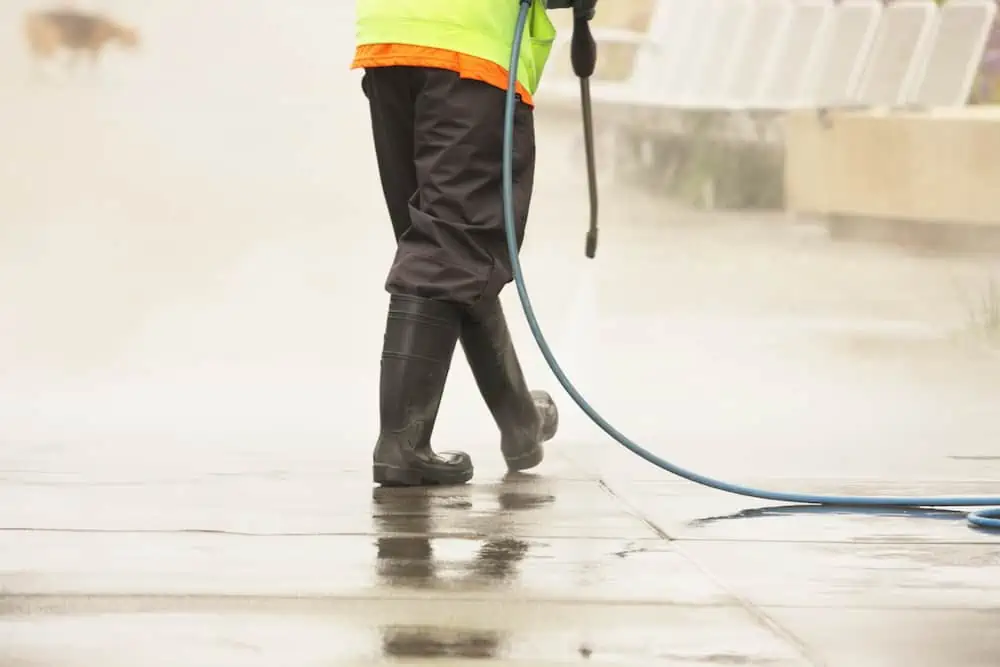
(798, 210)
(179, 218)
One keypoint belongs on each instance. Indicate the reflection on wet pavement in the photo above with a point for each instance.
(418, 642)
(406, 558)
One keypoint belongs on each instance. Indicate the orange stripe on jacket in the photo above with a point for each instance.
(406, 55)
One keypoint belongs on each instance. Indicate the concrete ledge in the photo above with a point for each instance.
(928, 166)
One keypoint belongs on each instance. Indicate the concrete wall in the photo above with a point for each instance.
(934, 166)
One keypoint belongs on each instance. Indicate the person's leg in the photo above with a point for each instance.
(526, 419)
(420, 333)
(455, 247)
(392, 93)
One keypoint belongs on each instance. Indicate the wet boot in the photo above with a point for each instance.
(420, 337)
(526, 418)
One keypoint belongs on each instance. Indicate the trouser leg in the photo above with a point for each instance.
(392, 99)
(455, 247)
(420, 333)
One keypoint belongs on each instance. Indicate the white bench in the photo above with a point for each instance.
(956, 49)
(797, 57)
(726, 70)
(898, 53)
(719, 55)
(843, 54)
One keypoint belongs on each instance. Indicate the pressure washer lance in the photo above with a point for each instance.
(583, 53)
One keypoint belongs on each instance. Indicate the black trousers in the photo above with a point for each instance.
(439, 145)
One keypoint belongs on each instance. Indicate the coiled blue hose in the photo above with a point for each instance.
(982, 519)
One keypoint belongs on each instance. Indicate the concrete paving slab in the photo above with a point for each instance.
(314, 504)
(356, 567)
(685, 511)
(884, 576)
(673, 636)
(917, 637)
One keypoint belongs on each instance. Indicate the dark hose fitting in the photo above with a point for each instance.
(583, 49)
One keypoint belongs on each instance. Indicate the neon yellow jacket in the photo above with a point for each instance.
(479, 28)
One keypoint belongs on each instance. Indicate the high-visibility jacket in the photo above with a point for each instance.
(471, 37)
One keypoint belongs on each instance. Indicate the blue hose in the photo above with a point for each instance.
(981, 519)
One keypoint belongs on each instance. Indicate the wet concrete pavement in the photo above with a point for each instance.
(302, 562)
(190, 313)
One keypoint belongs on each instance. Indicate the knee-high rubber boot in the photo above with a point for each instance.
(526, 418)
(420, 338)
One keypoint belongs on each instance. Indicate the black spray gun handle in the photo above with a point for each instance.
(583, 54)
(583, 48)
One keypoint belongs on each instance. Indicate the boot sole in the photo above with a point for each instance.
(527, 460)
(386, 475)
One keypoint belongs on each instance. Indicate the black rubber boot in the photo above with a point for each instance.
(420, 337)
(526, 418)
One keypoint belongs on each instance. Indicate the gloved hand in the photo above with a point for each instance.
(584, 9)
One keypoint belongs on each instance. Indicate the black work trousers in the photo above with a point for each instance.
(439, 146)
